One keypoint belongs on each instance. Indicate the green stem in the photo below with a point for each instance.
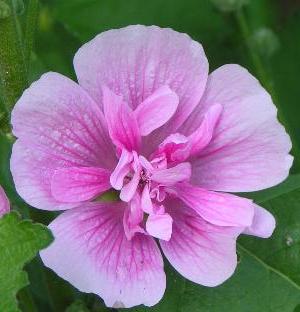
(13, 76)
(266, 80)
(30, 27)
(255, 58)
(27, 301)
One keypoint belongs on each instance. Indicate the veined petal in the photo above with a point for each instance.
(217, 208)
(201, 252)
(137, 60)
(156, 110)
(91, 252)
(122, 124)
(58, 125)
(250, 149)
(170, 176)
(263, 224)
(4, 203)
(203, 135)
(76, 184)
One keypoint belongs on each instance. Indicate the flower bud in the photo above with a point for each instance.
(5, 10)
(264, 42)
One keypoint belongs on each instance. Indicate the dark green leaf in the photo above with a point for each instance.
(20, 240)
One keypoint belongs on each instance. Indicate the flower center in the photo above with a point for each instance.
(144, 185)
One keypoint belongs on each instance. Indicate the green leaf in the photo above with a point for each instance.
(20, 240)
(282, 251)
(77, 306)
(255, 287)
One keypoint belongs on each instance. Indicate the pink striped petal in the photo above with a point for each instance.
(250, 149)
(58, 125)
(160, 226)
(156, 110)
(78, 184)
(122, 124)
(203, 135)
(263, 224)
(200, 251)
(91, 252)
(137, 60)
(170, 176)
(4, 203)
(217, 208)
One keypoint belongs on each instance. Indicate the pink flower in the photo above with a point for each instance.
(147, 120)
(4, 203)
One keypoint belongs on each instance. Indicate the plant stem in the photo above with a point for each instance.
(27, 301)
(30, 27)
(266, 81)
(255, 58)
(13, 75)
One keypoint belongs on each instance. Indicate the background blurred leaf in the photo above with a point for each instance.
(77, 306)
(20, 240)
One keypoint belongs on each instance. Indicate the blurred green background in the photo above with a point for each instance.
(261, 35)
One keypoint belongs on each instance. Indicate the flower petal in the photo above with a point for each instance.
(172, 175)
(160, 226)
(201, 252)
(203, 135)
(133, 216)
(146, 202)
(91, 251)
(58, 125)
(78, 184)
(136, 60)
(122, 124)
(4, 203)
(156, 110)
(122, 169)
(32, 171)
(177, 147)
(263, 224)
(217, 208)
(249, 149)
(129, 189)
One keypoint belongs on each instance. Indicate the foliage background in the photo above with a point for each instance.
(263, 36)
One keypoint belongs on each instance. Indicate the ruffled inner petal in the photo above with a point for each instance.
(156, 109)
(122, 124)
